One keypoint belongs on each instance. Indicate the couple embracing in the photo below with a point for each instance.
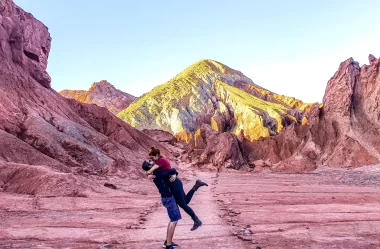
(172, 194)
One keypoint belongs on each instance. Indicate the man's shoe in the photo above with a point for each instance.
(199, 184)
(197, 223)
(174, 245)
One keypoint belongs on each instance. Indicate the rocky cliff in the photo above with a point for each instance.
(344, 133)
(46, 139)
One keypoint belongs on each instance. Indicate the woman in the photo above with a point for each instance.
(176, 186)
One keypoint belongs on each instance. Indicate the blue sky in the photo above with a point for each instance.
(290, 47)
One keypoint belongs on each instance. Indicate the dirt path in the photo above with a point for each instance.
(211, 235)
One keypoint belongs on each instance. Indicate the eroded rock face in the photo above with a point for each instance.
(60, 137)
(222, 150)
(349, 119)
(344, 133)
(160, 136)
(372, 59)
(42, 180)
(24, 41)
(102, 94)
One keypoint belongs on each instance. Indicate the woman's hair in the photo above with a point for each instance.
(154, 152)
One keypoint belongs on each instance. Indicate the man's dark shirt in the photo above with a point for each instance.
(162, 181)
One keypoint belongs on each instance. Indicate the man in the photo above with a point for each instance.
(161, 180)
(176, 186)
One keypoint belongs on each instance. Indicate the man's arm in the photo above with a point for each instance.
(154, 167)
(171, 174)
(165, 173)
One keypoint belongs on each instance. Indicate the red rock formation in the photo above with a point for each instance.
(161, 136)
(199, 139)
(42, 180)
(220, 149)
(24, 41)
(39, 127)
(344, 133)
(102, 94)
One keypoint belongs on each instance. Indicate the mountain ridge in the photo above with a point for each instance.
(103, 94)
(191, 98)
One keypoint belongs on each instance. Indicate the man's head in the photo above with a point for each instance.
(146, 165)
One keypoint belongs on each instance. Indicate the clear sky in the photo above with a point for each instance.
(291, 47)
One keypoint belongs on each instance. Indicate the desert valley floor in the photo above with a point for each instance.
(328, 208)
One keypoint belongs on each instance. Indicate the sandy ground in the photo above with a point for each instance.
(326, 209)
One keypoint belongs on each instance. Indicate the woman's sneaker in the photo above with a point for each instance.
(197, 223)
(199, 184)
(174, 245)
